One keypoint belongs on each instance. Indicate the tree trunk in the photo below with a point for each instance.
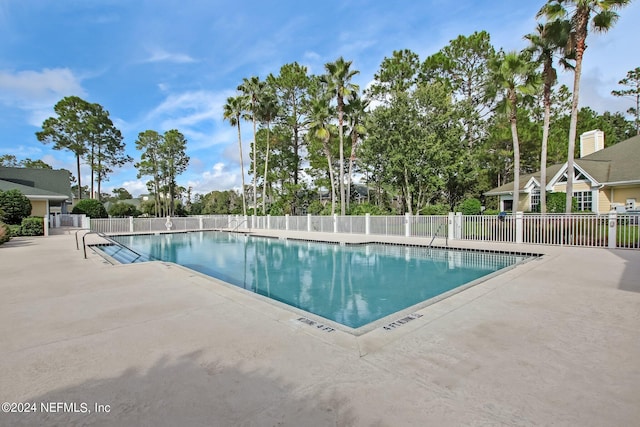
(407, 192)
(516, 155)
(354, 139)
(255, 166)
(581, 36)
(244, 202)
(266, 169)
(341, 165)
(543, 150)
(91, 160)
(327, 152)
(79, 180)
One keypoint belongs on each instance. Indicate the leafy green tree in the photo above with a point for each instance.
(174, 161)
(14, 206)
(464, 66)
(149, 143)
(106, 147)
(338, 78)
(544, 43)
(121, 194)
(601, 14)
(320, 129)
(267, 113)
(514, 75)
(121, 210)
(632, 81)
(397, 74)
(34, 164)
(291, 87)
(356, 117)
(92, 208)
(9, 161)
(69, 130)
(253, 88)
(233, 110)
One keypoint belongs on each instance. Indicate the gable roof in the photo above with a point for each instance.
(49, 180)
(31, 192)
(615, 164)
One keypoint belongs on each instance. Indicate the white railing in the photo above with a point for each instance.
(587, 230)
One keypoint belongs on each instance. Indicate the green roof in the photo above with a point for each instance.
(51, 180)
(31, 192)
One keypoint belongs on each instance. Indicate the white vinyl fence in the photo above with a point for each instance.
(588, 230)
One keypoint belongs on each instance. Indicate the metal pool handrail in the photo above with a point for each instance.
(436, 235)
(107, 238)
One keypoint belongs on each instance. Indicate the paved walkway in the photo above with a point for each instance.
(555, 341)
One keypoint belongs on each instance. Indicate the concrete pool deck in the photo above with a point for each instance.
(554, 341)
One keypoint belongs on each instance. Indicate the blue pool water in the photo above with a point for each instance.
(351, 284)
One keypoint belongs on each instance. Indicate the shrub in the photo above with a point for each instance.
(32, 226)
(90, 207)
(14, 230)
(470, 207)
(366, 208)
(5, 233)
(121, 209)
(491, 212)
(15, 206)
(556, 203)
(436, 209)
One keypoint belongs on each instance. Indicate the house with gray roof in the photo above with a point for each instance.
(604, 178)
(48, 190)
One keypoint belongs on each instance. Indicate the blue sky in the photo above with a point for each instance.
(163, 64)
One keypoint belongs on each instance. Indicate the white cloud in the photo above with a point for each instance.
(218, 178)
(136, 188)
(35, 92)
(161, 55)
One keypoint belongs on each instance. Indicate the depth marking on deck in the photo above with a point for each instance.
(396, 324)
(317, 325)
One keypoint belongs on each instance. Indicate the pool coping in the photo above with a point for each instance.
(387, 323)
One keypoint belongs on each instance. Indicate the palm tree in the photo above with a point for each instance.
(514, 75)
(579, 13)
(544, 43)
(252, 88)
(268, 109)
(338, 78)
(320, 114)
(233, 110)
(356, 116)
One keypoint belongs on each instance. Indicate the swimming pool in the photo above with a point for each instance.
(352, 285)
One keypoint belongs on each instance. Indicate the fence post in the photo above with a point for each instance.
(130, 224)
(58, 221)
(286, 221)
(519, 227)
(613, 228)
(200, 222)
(458, 225)
(367, 223)
(407, 224)
(335, 223)
(308, 222)
(268, 221)
(45, 224)
(451, 231)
